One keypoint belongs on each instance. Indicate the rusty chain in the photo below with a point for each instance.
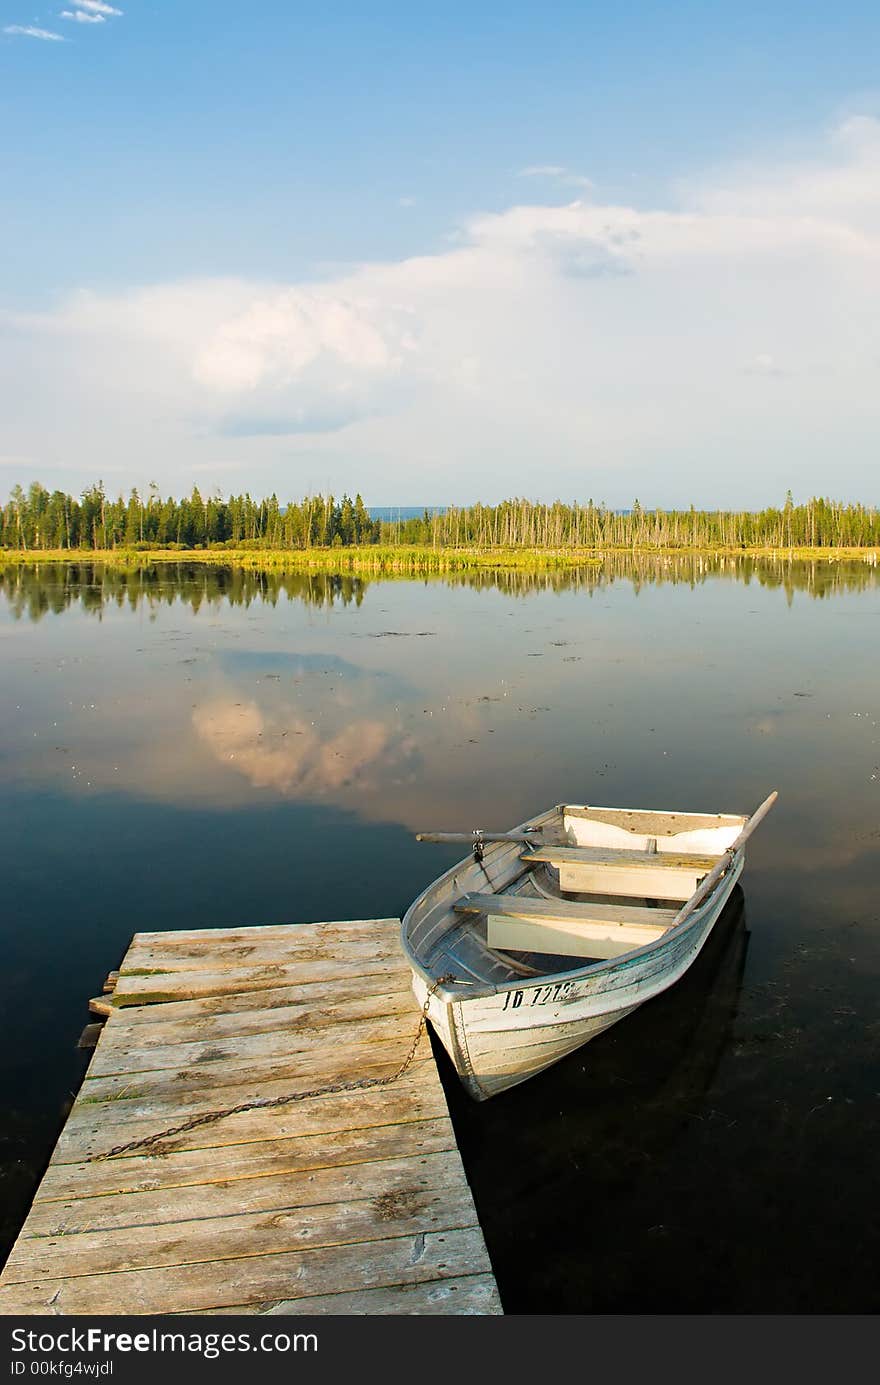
(265, 1103)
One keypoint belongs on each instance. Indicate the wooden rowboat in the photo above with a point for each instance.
(552, 932)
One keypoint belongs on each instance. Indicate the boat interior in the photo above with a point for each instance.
(581, 885)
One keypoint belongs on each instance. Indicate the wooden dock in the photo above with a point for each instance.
(350, 1201)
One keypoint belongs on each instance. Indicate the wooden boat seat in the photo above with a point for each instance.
(528, 907)
(519, 923)
(608, 870)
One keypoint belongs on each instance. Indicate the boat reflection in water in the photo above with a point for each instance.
(586, 1183)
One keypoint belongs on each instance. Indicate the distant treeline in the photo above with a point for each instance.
(40, 519)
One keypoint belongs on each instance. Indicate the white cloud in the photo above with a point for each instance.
(28, 31)
(279, 337)
(97, 7)
(588, 349)
(82, 17)
(839, 190)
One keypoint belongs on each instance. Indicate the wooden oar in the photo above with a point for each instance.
(708, 883)
(471, 837)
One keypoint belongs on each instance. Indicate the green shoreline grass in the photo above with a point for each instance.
(377, 559)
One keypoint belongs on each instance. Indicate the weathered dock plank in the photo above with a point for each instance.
(200, 1288)
(280, 1042)
(473, 1294)
(90, 1134)
(355, 988)
(313, 1073)
(155, 984)
(203, 1240)
(290, 1017)
(380, 1179)
(230, 1163)
(351, 1201)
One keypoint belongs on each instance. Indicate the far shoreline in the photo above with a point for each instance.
(380, 558)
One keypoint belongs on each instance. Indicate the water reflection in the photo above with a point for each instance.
(300, 759)
(427, 703)
(35, 590)
(223, 748)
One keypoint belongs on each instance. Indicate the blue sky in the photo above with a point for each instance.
(421, 250)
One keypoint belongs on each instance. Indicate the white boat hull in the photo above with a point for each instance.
(498, 1041)
(500, 1029)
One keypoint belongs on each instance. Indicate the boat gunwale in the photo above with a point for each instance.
(459, 991)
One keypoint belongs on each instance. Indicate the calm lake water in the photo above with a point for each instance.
(186, 747)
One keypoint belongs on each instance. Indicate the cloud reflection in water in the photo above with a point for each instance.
(279, 750)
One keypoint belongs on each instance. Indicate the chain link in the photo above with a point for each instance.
(265, 1103)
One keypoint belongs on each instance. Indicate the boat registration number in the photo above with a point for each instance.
(543, 995)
